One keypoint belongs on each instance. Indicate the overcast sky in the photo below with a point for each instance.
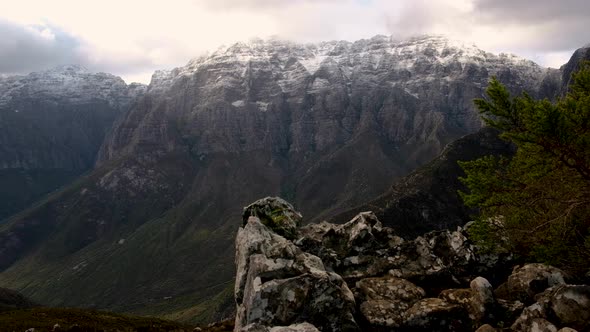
(132, 38)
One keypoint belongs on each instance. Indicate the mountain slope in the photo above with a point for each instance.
(427, 199)
(52, 124)
(151, 228)
(11, 300)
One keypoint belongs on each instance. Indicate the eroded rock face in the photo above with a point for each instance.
(277, 284)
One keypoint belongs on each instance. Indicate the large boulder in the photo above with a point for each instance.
(386, 299)
(277, 284)
(483, 303)
(478, 300)
(486, 328)
(571, 305)
(562, 305)
(276, 213)
(527, 281)
(531, 313)
(433, 314)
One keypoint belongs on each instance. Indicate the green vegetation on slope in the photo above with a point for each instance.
(427, 199)
(44, 319)
(22, 187)
(536, 203)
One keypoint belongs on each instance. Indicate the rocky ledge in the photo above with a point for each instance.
(360, 276)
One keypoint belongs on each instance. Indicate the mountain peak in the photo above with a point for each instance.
(380, 53)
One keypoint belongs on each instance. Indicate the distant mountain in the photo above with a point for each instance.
(332, 124)
(52, 124)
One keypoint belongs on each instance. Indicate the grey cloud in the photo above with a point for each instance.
(413, 19)
(559, 25)
(527, 11)
(24, 49)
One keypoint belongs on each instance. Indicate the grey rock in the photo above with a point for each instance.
(483, 301)
(277, 284)
(486, 328)
(386, 299)
(509, 311)
(571, 305)
(527, 281)
(540, 325)
(535, 311)
(357, 249)
(432, 314)
(275, 213)
(301, 327)
(478, 301)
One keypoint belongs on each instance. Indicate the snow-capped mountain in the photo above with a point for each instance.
(72, 82)
(434, 77)
(427, 56)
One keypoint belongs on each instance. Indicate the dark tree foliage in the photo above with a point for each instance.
(536, 203)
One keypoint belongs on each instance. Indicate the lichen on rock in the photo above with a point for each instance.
(361, 276)
(275, 213)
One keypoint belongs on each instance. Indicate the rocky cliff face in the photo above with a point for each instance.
(319, 117)
(52, 124)
(580, 55)
(330, 124)
(361, 276)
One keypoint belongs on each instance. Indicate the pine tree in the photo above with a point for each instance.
(536, 203)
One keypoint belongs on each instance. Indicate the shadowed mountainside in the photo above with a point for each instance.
(52, 124)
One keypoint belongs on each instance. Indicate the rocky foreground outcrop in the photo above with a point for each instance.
(361, 276)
